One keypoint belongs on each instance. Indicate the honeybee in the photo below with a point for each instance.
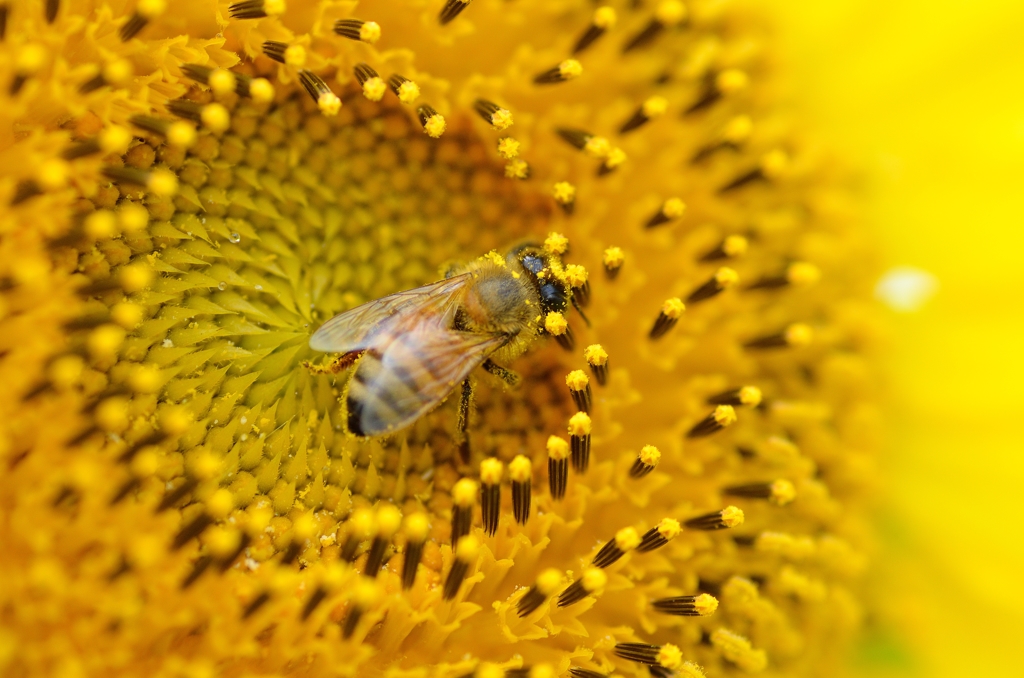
(411, 349)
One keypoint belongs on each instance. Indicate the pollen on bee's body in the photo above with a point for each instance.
(283, 53)
(604, 19)
(579, 388)
(671, 311)
(356, 29)
(625, 540)
(671, 210)
(145, 11)
(569, 69)
(723, 279)
(497, 117)
(667, 14)
(558, 466)
(728, 517)
(547, 583)
(645, 462)
(721, 417)
(256, 9)
(650, 109)
(731, 246)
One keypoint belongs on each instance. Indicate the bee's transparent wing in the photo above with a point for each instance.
(401, 380)
(355, 329)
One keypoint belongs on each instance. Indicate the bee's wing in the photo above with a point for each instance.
(412, 371)
(355, 329)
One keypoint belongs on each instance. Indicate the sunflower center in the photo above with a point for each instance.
(283, 220)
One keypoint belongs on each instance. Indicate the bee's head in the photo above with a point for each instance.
(545, 271)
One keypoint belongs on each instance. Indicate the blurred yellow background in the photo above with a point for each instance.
(928, 98)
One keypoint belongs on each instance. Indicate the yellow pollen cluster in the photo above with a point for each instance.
(189, 191)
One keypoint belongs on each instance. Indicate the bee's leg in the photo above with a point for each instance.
(339, 364)
(508, 376)
(463, 425)
(576, 305)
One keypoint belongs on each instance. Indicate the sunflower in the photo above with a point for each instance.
(680, 482)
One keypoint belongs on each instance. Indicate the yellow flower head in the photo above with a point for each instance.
(189, 190)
